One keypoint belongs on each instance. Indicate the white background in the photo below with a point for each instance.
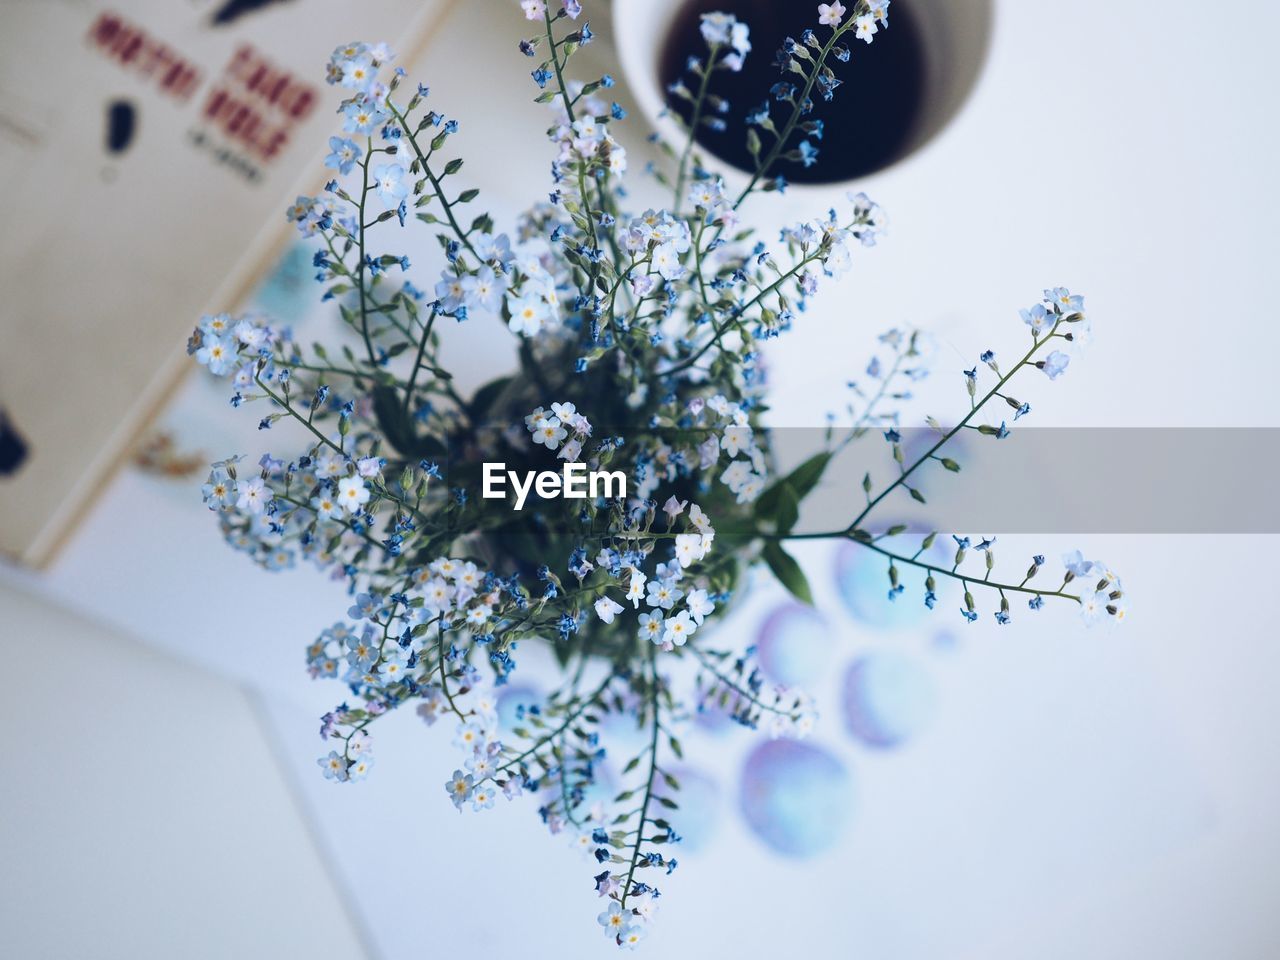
(1098, 793)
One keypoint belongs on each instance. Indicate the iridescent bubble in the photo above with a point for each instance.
(711, 717)
(888, 699)
(286, 292)
(620, 729)
(794, 645)
(697, 817)
(863, 583)
(796, 797)
(511, 698)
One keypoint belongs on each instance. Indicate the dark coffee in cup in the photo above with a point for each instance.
(870, 123)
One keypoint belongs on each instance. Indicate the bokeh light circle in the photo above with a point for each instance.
(888, 698)
(796, 797)
(794, 645)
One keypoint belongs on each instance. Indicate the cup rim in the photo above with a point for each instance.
(639, 64)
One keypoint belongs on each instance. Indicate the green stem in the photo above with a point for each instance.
(790, 126)
(417, 362)
(653, 770)
(952, 432)
(682, 170)
(435, 182)
(364, 300)
(737, 314)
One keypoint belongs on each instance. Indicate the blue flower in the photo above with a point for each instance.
(808, 153)
(1062, 299)
(1037, 318)
(343, 156)
(541, 76)
(1054, 365)
(334, 766)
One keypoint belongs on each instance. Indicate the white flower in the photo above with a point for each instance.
(587, 128)
(651, 626)
(607, 608)
(631, 935)
(1093, 606)
(830, 14)
(642, 284)
(483, 796)
(700, 520)
(635, 590)
(866, 28)
(250, 334)
(736, 474)
(673, 508)
(613, 919)
(716, 27)
(548, 432)
(571, 451)
(689, 549)
(466, 575)
(527, 313)
(469, 736)
(735, 438)
(533, 9)
(459, 788)
(436, 595)
(392, 668)
(700, 605)
(678, 629)
(369, 466)
(663, 593)
(352, 493)
(708, 453)
(667, 261)
(253, 495)
(644, 904)
(751, 488)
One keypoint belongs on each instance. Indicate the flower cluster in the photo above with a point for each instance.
(639, 339)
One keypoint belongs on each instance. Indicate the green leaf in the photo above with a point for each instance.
(397, 425)
(788, 572)
(486, 395)
(801, 482)
(788, 511)
(806, 476)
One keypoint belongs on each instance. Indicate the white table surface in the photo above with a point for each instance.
(1099, 793)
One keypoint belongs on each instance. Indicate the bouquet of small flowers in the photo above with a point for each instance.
(639, 337)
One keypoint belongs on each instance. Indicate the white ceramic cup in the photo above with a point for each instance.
(955, 34)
